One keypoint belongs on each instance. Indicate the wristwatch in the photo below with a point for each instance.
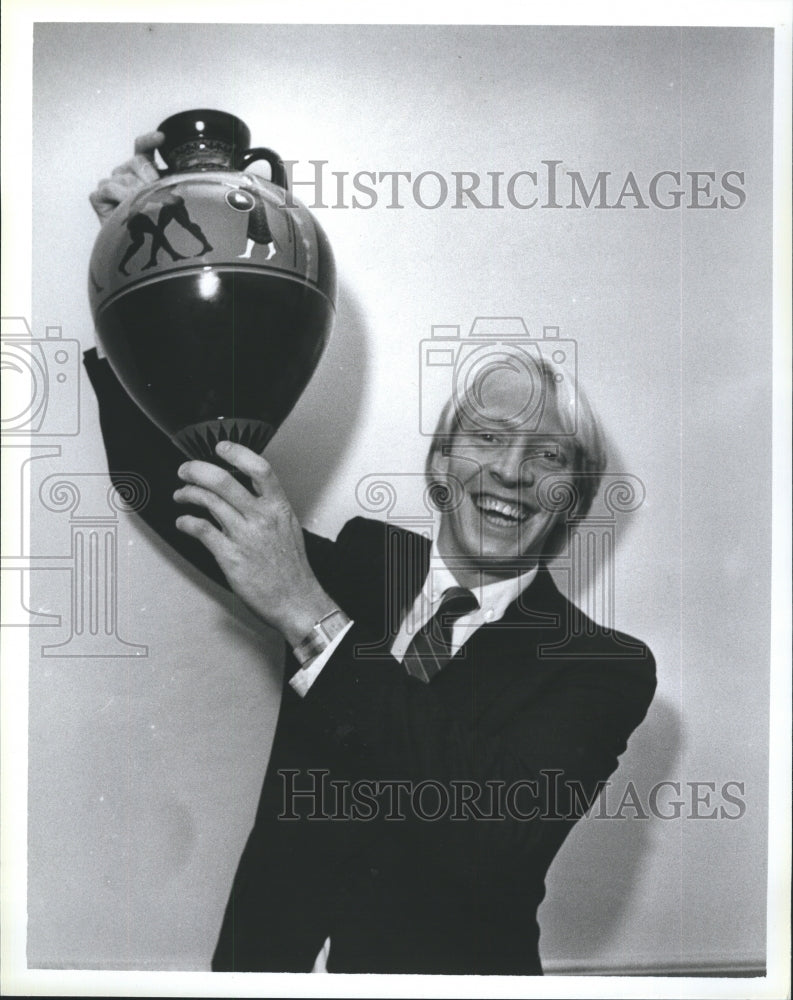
(321, 635)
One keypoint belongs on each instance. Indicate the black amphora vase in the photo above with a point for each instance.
(213, 290)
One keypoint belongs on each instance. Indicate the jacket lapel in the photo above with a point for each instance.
(497, 654)
(500, 663)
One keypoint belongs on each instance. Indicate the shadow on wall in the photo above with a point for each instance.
(314, 439)
(623, 522)
(584, 569)
(594, 879)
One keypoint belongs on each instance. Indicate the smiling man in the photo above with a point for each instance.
(442, 726)
(515, 427)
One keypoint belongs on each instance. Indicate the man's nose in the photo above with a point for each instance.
(510, 466)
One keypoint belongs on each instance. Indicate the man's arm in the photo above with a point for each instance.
(134, 444)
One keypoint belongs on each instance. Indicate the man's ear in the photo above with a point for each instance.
(445, 489)
(438, 463)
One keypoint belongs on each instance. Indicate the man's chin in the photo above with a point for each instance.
(493, 550)
(498, 560)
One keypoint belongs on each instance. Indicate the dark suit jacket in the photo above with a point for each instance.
(531, 710)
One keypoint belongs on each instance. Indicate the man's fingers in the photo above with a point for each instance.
(108, 196)
(138, 169)
(226, 516)
(205, 532)
(218, 481)
(129, 177)
(258, 469)
(122, 183)
(146, 144)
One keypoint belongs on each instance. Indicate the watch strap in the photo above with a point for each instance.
(323, 632)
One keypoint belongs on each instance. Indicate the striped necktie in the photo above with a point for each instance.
(431, 648)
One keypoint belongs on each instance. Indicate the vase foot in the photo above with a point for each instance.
(199, 440)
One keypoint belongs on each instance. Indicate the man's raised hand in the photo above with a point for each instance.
(131, 176)
(258, 543)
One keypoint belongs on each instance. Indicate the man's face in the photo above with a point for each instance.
(499, 525)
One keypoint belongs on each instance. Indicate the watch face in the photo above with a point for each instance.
(332, 623)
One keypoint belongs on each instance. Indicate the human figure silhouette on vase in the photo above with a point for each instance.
(139, 225)
(248, 198)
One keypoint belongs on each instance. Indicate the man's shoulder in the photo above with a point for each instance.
(369, 561)
(582, 631)
(577, 645)
(372, 527)
(369, 536)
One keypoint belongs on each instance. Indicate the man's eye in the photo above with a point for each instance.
(552, 456)
(487, 438)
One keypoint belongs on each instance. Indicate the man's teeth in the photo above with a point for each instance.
(501, 510)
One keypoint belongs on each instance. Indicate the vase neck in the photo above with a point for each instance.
(201, 154)
(203, 140)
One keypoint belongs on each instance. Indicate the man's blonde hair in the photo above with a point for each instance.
(582, 429)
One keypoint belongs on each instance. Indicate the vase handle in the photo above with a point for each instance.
(277, 171)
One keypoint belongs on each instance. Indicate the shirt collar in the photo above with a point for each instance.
(494, 598)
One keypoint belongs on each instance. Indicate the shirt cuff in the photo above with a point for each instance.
(305, 677)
